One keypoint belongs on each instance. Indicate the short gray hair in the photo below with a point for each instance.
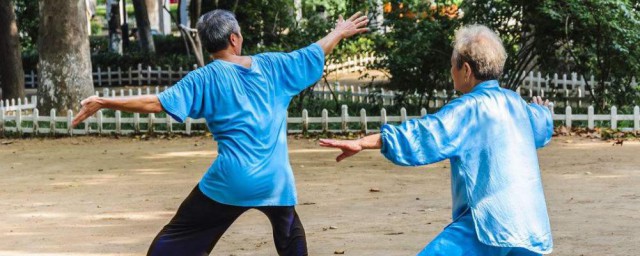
(215, 27)
(482, 49)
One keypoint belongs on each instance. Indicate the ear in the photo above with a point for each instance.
(468, 73)
(234, 39)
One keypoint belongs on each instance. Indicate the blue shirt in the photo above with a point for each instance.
(490, 136)
(246, 111)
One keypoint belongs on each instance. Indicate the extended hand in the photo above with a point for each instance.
(348, 147)
(356, 24)
(538, 100)
(90, 106)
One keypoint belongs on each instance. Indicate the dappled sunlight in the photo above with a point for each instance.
(22, 253)
(309, 150)
(203, 153)
(147, 171)
(149, 215)
(44, 215)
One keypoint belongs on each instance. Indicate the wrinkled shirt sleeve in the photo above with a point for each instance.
(185, 98)
(299, 69)
(430, 139)
(541, 124)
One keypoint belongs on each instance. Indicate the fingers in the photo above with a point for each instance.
(340, 18)
(362, 23)
(546, 103)
(354, 16)
(360, 19)
(342, 157)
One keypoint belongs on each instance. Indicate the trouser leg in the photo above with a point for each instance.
(288, 232)
(196, 228)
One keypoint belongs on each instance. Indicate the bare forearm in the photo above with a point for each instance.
(371, 142)
(330, 41)
(138, 104)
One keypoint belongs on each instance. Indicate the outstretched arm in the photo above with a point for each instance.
(541, 121)
(354, 25)
(352, 147)
(139, 104)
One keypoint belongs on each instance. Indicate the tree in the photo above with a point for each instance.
(64, 71)
(144, 27)
(418, 49)
(11, 73)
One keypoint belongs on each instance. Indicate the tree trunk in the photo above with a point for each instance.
(195, 8)
(115, 30)
(11, 73)
(145, 40)
(64, 68)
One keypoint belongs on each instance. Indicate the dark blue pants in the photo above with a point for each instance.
(201, 221)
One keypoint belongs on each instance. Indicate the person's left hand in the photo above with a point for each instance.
(354, 25)
(538, 100)
(348, 147)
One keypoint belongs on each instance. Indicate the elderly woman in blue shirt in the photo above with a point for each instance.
(490, 135)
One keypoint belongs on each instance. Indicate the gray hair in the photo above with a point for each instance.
(215, 27)
(482, 49)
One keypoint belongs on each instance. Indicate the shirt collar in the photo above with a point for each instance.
(486, 85)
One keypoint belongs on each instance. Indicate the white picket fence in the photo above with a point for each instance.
(168, 76)
(118, 77)
(30, 122)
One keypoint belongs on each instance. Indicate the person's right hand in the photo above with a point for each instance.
(90, 106)
(348, 147)
(354, 25)
(538, 100)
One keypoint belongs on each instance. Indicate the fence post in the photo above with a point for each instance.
(423, 112)
(119, 75)
(169, 124)
(33, 79)
(359, 94)
(614, 118)
(305, 121)
(345, 116)
(636, 118)
(353, 94)
(1, 120)
(338, 91)
(324, 120)
(113, 93)
(363, 120)
(188, 125)
(403, 115)
(69, 120)
(99, 117)
(36, 125)
(99, 76)
(52, 122)
(148, 74)
(139, 91)
(118, 122)
(383, 116)
(152, 118)
(590, 118)
(136, 122)
(105, 92)
(109, 75)
(34, 100)
(19, 121)
(568, 117)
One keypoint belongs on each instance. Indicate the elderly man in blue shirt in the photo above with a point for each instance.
(490, 135)
(244, 100)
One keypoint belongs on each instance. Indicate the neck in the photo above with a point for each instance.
(230, 55)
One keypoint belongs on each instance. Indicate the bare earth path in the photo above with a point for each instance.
(103, 196)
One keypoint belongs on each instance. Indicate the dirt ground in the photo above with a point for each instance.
(106, 196)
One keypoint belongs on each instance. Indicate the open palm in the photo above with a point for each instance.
(348, 147)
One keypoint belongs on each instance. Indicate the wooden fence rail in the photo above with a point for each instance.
(33, 122)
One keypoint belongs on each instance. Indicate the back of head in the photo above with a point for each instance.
(215, 28)
(482, 49)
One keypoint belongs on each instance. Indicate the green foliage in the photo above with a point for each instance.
(28, 17)
(599, 38)
(417, 48)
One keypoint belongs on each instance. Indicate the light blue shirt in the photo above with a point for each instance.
(246, 111)
(490, 136)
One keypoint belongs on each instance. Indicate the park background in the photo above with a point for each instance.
(108, 194)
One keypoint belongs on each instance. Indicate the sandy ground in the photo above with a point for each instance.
(105, 196)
